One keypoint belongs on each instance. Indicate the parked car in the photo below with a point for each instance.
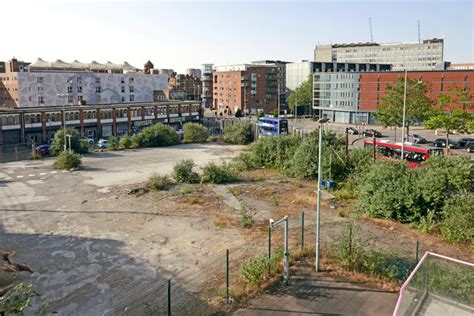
(469, 147)
(441, 142)
(42, 150)
(371, 133)
(103, 143)
(417, 139)
(89, 140)
(352, 131)
(463, 141)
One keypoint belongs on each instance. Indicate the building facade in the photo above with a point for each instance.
(281, 79)
(193, 72)
(250, 88)
(354, 97)
(206, 80)
(80, 83)
(183, 87)
(403, 56)
(24, 125)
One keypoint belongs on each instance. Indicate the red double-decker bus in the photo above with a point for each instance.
(415, 155)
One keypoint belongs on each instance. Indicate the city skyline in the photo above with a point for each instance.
(185, 35)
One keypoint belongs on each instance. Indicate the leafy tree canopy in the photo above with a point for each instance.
(304, 93)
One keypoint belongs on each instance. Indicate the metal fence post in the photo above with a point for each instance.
(227, 277)
(169, 297)
(302, 230)
(269, 242)
(417, 249)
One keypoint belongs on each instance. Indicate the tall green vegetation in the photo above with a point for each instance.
(451, 112)
(303, 95)
(183, 172)
(78, 146)
(435, 196)
(195, 133)
(155, 136)
(418, 105)
(239, 133)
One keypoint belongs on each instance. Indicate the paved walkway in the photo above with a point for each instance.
(312, 294)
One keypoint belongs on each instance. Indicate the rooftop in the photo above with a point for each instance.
(76, 65)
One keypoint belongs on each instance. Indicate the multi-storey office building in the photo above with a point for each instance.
(250, 88)
(354, 97)
(281, 78)
(92, 83)
(403, 56)
(206, 80)
(24, 125)
(193, 72)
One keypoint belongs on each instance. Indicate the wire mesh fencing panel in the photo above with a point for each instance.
(438, 285)
(15, 152)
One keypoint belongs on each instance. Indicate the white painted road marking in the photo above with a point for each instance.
(42, 173)
(31, 175)
(8, 178)
(19, 176)
(54, 172)
(64, 171)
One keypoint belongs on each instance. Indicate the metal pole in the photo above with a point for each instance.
(64, 126)
(69, 138)
(287, 263)
(227, 277)
(318, 210)
(296, 105)
(403, 120)
(278, 115)
(373, 141)
(169, 297)
(269, 241)
(302, 230)
(417, 249)
(346, 149)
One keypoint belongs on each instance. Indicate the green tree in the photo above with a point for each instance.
(303, 94)
(390, 111)
(57, 146)
(450, 112)
(238, 113)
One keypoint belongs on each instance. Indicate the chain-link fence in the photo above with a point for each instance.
(15, 152)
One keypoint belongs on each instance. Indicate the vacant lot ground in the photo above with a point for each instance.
(97, 250)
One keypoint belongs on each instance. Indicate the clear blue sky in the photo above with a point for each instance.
(181, 35)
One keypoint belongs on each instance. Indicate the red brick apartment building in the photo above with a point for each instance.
(372, 85)
(250, 88)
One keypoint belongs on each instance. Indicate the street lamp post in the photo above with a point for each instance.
(64, 97)
(403, 119)
(321, 121)
(278, 115)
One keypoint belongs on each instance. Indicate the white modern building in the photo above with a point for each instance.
(424, 55)
(297, 73)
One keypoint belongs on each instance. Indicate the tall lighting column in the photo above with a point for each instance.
(321, 121)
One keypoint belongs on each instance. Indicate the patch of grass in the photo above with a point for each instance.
(257, 269)
(35, 156)
(274, 201)
(160, 183)
(67, 160)
(183, 172)
(341, 213)
(246, 219)
(218, 174)
(186, 190)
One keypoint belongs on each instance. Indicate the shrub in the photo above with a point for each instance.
(274, 152)
(256, 269)
(183, 172)
(155, 136)
(347, 249)
(305, 161)
(195, 133)
(17, 299)
(83, 146)
(387, 190)
(458, 223)
(238, 113)
(238, 133)
(67, 160)
(160, 183)
(246, 219)
(217, 174)
(113, 143)
(125, 142)
(57, 146)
